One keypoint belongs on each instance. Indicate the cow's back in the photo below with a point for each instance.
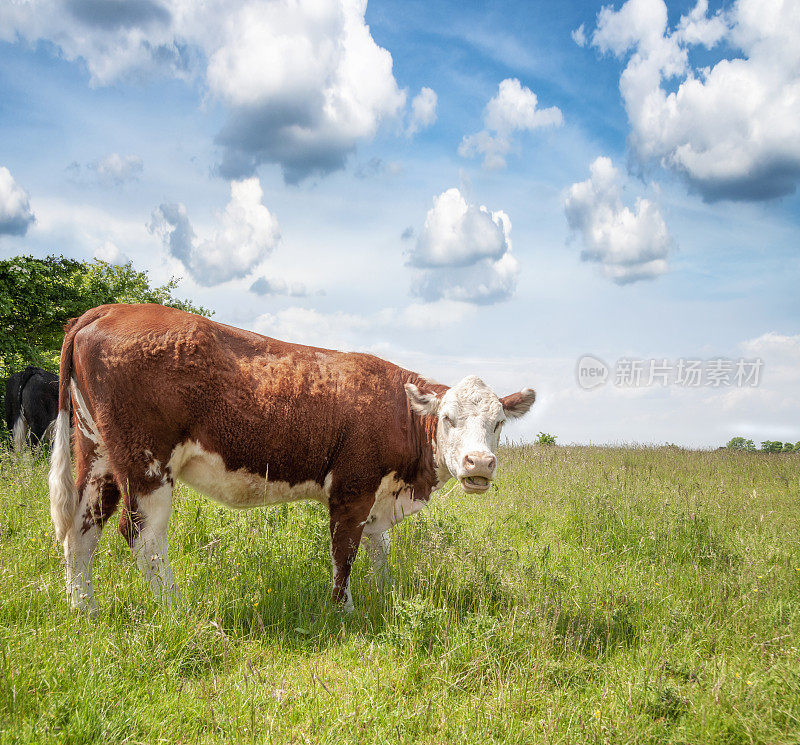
(156, 378)
(39, 400)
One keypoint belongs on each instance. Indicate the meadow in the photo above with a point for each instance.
(608, 595)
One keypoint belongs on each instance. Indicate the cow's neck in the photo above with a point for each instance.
(430, 428)
(431, 472)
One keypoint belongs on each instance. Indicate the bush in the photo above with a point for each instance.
(38, 296)
(739, 443)
(545, 439)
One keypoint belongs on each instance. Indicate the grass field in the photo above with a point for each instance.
(597, 595)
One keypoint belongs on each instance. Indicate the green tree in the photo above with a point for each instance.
(38, 296)
(739, 443)
(543, 438)
(772, 446)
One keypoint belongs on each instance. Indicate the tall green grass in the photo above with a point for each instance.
(596, 595)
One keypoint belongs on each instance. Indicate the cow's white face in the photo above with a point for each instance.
(471, 418)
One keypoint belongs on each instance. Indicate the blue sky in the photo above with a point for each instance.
(482, 189)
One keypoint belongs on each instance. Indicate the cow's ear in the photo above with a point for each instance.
(424, 404)
(517, 404)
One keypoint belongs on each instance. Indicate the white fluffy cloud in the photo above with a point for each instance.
(109, 252)
(15, 207)
(423, 111)
(458, 234)
(463, 253)
(782, 348)
(731, 129)
(111, 37)
(579, 36)
(248, 234)
(629, 244)
(303, 80)
(513, 109)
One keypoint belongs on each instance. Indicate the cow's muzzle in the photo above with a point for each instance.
(477, 471)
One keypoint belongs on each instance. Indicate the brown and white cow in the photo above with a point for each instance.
(158, 395)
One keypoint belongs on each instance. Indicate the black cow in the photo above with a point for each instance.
(31, 405)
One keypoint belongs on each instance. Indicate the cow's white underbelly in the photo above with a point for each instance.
(206, 472)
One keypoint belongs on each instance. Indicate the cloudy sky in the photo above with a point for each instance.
(497, 189)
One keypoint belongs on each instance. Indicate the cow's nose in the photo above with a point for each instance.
(479, 464)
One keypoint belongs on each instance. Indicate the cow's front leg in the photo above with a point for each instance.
(377, 545)
(347, 525)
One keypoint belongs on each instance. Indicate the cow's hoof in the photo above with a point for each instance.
(347, 607)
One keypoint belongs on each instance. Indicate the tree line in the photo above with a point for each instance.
(38, 297)
(768, 446)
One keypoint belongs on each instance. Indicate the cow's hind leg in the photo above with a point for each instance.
(98, 496)
(144, 523)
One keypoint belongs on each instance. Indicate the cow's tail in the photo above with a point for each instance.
(20, 433)
(63, 491)
(15, 416)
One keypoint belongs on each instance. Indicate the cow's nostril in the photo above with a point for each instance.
(492, 462)
(469, 462)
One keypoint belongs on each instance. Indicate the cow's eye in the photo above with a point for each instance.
(447, 420)
(497, 426)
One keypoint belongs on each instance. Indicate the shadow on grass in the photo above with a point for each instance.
(594, 636)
